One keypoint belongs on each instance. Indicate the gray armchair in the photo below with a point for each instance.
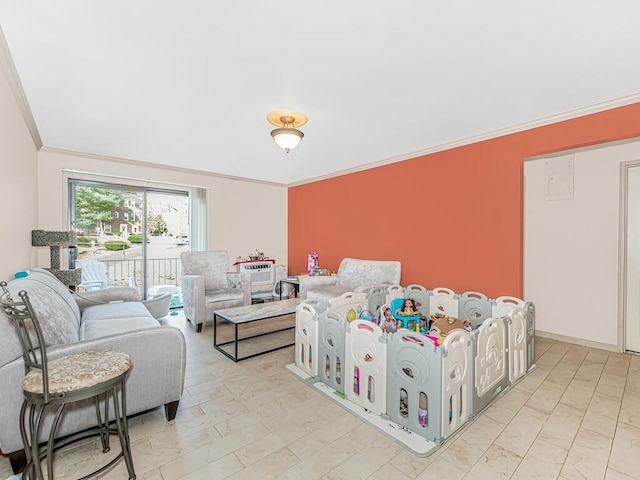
(353, 276)
(207, 286)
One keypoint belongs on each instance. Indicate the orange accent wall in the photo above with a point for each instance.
(453, 218)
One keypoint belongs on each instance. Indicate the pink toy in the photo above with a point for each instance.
(312, 262)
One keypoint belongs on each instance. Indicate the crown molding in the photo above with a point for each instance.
(521, 127)
(9, 68)
(152, 165)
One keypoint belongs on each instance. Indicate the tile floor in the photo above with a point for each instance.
(576, 417)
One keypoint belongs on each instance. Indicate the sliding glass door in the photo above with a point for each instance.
(130, 236)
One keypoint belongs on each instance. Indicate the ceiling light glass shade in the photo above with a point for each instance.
(287, 138)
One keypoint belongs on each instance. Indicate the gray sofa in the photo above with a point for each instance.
(75, 323)
(354, 275)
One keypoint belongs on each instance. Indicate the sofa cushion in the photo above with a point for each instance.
(98, 328)
(108, 311)
(223, 294)
(59, 321)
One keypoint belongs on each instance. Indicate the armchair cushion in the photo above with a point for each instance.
(354, 273)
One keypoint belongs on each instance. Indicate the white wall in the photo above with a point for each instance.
(18, 186)
(571, 246)
(243, 215)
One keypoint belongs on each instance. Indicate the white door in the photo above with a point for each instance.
(632, 307)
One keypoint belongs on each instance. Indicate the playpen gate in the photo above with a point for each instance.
(490, 362)
(331, 349)
(414, 385)
(530, 316)
(393, 292)
(518, 344)
(366, 366)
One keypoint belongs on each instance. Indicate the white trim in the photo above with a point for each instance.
(94, 156)
(9, 68)
(135, 179)
(577, 341)
(541, 122)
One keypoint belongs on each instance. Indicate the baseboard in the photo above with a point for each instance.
(578, 341)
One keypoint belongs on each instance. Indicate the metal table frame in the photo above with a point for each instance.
(236, 340)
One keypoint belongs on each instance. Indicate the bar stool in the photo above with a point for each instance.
(97, 375)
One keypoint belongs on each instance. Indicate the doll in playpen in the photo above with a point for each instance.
(387, 322)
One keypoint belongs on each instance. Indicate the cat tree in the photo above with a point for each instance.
(55, 241)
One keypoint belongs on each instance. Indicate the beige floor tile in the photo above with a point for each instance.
(562, 426)
(409, 464)
(601, 415)
(578, 393)
(545, 398)
(518, 436)
(308, 445)
(496, 463)
(562, 374)
(630, 409)
(532, 381)
(268, 467)
(543, 461)
(625, 453)
(614, 475)
(365, 462)
(441, 469)
(588, 456)
(222, 468)
(389, 472)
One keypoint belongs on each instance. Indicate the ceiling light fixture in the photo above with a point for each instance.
(287, 136)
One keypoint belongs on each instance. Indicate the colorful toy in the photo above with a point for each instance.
(441, 325)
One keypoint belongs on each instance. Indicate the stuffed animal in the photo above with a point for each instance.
(441, 326)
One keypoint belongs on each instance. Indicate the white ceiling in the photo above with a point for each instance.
(190, 82)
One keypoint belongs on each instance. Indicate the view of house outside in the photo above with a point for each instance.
(109, 224)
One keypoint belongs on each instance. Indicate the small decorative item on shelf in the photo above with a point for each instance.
(312, 262)
(256, 255)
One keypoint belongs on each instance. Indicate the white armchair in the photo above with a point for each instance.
(207, 286)
(353, 276)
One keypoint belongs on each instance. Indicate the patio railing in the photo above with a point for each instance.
(160, 271)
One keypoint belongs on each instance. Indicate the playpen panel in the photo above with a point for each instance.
(443, 301)
(331, 349)
(366, 366)
(306, 338)
(475, 307)
(530, 316)
(414, 384)
(377, 298)
(351, 305)
(456, 381)
(517, 344)
(393, 292)
(491, 375)
(503, 305)
(421, 297)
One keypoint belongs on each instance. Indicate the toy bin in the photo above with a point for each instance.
(366, 366)
(443, 301)
(351, 305)
(475, 307)
(414, 384)
(331, 348)
(491, 372)
(421, 297)
(455, 407)
(306, 338)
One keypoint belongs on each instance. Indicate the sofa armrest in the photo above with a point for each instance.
(193, 298)
(309, 282)
(106, 295)
(243, 281)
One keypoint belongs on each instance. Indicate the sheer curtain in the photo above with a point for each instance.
(199, 225)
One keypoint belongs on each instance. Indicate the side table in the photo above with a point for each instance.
(291, 281)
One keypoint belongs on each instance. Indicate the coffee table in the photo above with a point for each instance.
(250, 314)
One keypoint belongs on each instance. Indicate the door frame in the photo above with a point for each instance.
(622, 254)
